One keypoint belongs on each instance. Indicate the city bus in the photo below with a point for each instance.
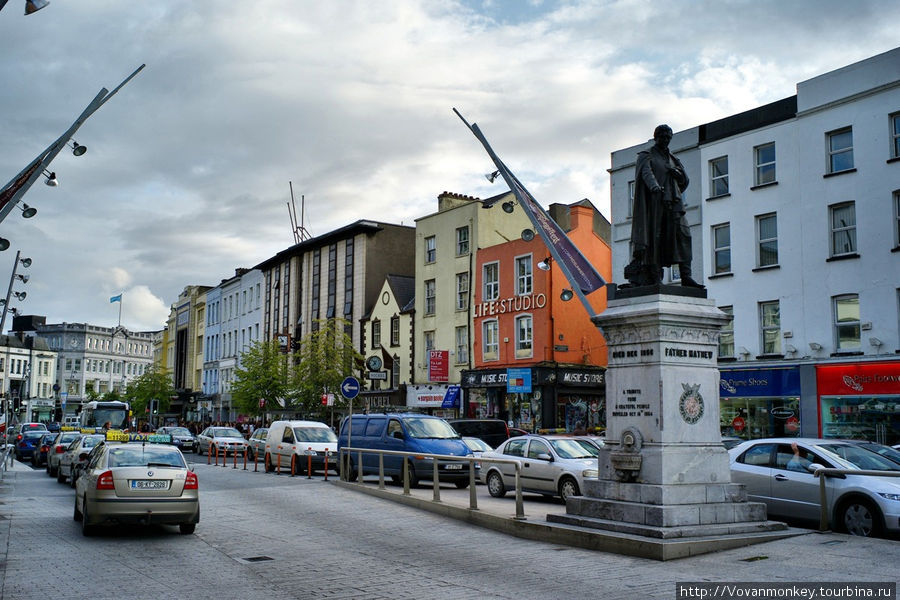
(96, 414)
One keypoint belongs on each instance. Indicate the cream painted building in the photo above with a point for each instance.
(446, 242)
(388, 344)
(184, 352)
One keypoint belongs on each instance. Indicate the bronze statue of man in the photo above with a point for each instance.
(660, 235)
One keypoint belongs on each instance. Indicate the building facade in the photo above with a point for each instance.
(538, 360)
(183, 354)
(28, 375)
(800, 213)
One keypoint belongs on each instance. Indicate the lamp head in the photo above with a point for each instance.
(23, 277)
(508, 207)
(527, 235)
(26, 262)
(4, 244)
(51, 180)
(20, 295)
(566, 295)
(78, 149)
(544, 265)
(32, 6)
(28, 211)
(492, 176)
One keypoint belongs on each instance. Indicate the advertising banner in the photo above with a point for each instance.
(438, 365)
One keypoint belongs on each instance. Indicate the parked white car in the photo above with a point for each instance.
(228, 440)
(554, 466)
(299, 444)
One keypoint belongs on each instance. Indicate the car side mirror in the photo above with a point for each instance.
(814, 468)
(545, 456)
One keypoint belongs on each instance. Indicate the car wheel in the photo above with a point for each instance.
(60, 478)
(495, 485)
(77, 513)
(73, 478)
(199, 449)
(568, 487)
(250, 454)
(87, 529)
(54, 471)
(461, 484)
(187, 528)
(413, 479)
(860, 517)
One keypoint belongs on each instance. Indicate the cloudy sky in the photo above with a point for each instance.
(188, 168)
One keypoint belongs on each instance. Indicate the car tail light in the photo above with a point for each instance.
(105, 481)
(191, 482)
(60, 449)
(19, 437)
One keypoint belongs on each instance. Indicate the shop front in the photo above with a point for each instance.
(537, 398)
(759, 403)
(382, 401)
(860, 401)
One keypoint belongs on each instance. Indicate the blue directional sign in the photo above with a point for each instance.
(350, 388)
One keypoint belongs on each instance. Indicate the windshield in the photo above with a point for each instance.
(68, 437)
(116, 417)
(862, 458)
(430, 428)
(885, 451)
(90, 441)
(574, 449)
(314, 434)
(477, 444)
(142, 456)
(229, 432)
(178, 431)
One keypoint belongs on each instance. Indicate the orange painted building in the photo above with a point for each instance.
(521, 322)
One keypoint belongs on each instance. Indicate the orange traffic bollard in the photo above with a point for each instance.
(234, 462)
(245, 459)
(256, 461)
(309, 463)
(293, 464)
(224, 457)
(326, 464)
(278, 464)
(208, 454)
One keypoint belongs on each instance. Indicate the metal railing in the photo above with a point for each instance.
(473, 499)
(823, 472)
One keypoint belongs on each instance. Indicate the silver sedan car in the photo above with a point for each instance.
(136, 483)
(554, 466)
(75, 456)
(228, 440)
(780, 473)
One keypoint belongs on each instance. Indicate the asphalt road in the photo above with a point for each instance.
(272, 537)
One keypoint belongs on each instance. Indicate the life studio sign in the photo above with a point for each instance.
(513, 304)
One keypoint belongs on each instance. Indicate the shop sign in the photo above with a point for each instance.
(739, 383)
(791, 425)
(451, 398)
(438, 365)
(484, 378)
(573, 377)
(518, 381)
(855, 379)
(512, 304)
(428, 396)
(738, 424)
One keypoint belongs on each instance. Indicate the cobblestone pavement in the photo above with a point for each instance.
(325, 541)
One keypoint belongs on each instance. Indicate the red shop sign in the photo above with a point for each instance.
(858, 379)
(738, 424)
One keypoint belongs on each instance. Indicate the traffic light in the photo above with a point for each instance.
(154, 407)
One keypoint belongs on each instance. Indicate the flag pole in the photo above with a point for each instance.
(120, 309)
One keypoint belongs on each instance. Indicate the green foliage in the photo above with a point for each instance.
(324, 359)
(261, 376)
(155, 383)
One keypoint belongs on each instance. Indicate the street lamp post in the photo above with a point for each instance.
(25, 262)
(13, 191)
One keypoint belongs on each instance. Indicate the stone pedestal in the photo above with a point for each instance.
(664, 473)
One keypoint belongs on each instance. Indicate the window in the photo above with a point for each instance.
(462, 345)
(718, 176)
(726, 334)
(376, 334)
(491, 282)
(429, 297)
(846, 322)
(395, 331)
(630, 199)
(462, 240)
(462, 291)
(895, 135)
(770, 327)
(840, 150)
(523, 336)
(897, 218)
(767, 240)
(429, 344)
(523, 275)
(430, 249)
(843, 228)
(721, 235)
(765, 163)
(490, 342)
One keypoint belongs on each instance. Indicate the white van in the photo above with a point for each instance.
(303, 440)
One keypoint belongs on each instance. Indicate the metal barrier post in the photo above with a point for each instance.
(309, 463)
(436, 484)
(473, 499)
(208, 454)
(406, 476)
(360, 474)
(520, 505)
(380, 470)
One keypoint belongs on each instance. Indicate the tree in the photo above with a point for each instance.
(261, 376)
(325, 358)
(154, 384)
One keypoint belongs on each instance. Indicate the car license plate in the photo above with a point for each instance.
(149, 484)
(454, 466)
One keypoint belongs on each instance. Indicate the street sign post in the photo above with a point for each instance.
(350, 388)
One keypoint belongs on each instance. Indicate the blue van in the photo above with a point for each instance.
(405, 433)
